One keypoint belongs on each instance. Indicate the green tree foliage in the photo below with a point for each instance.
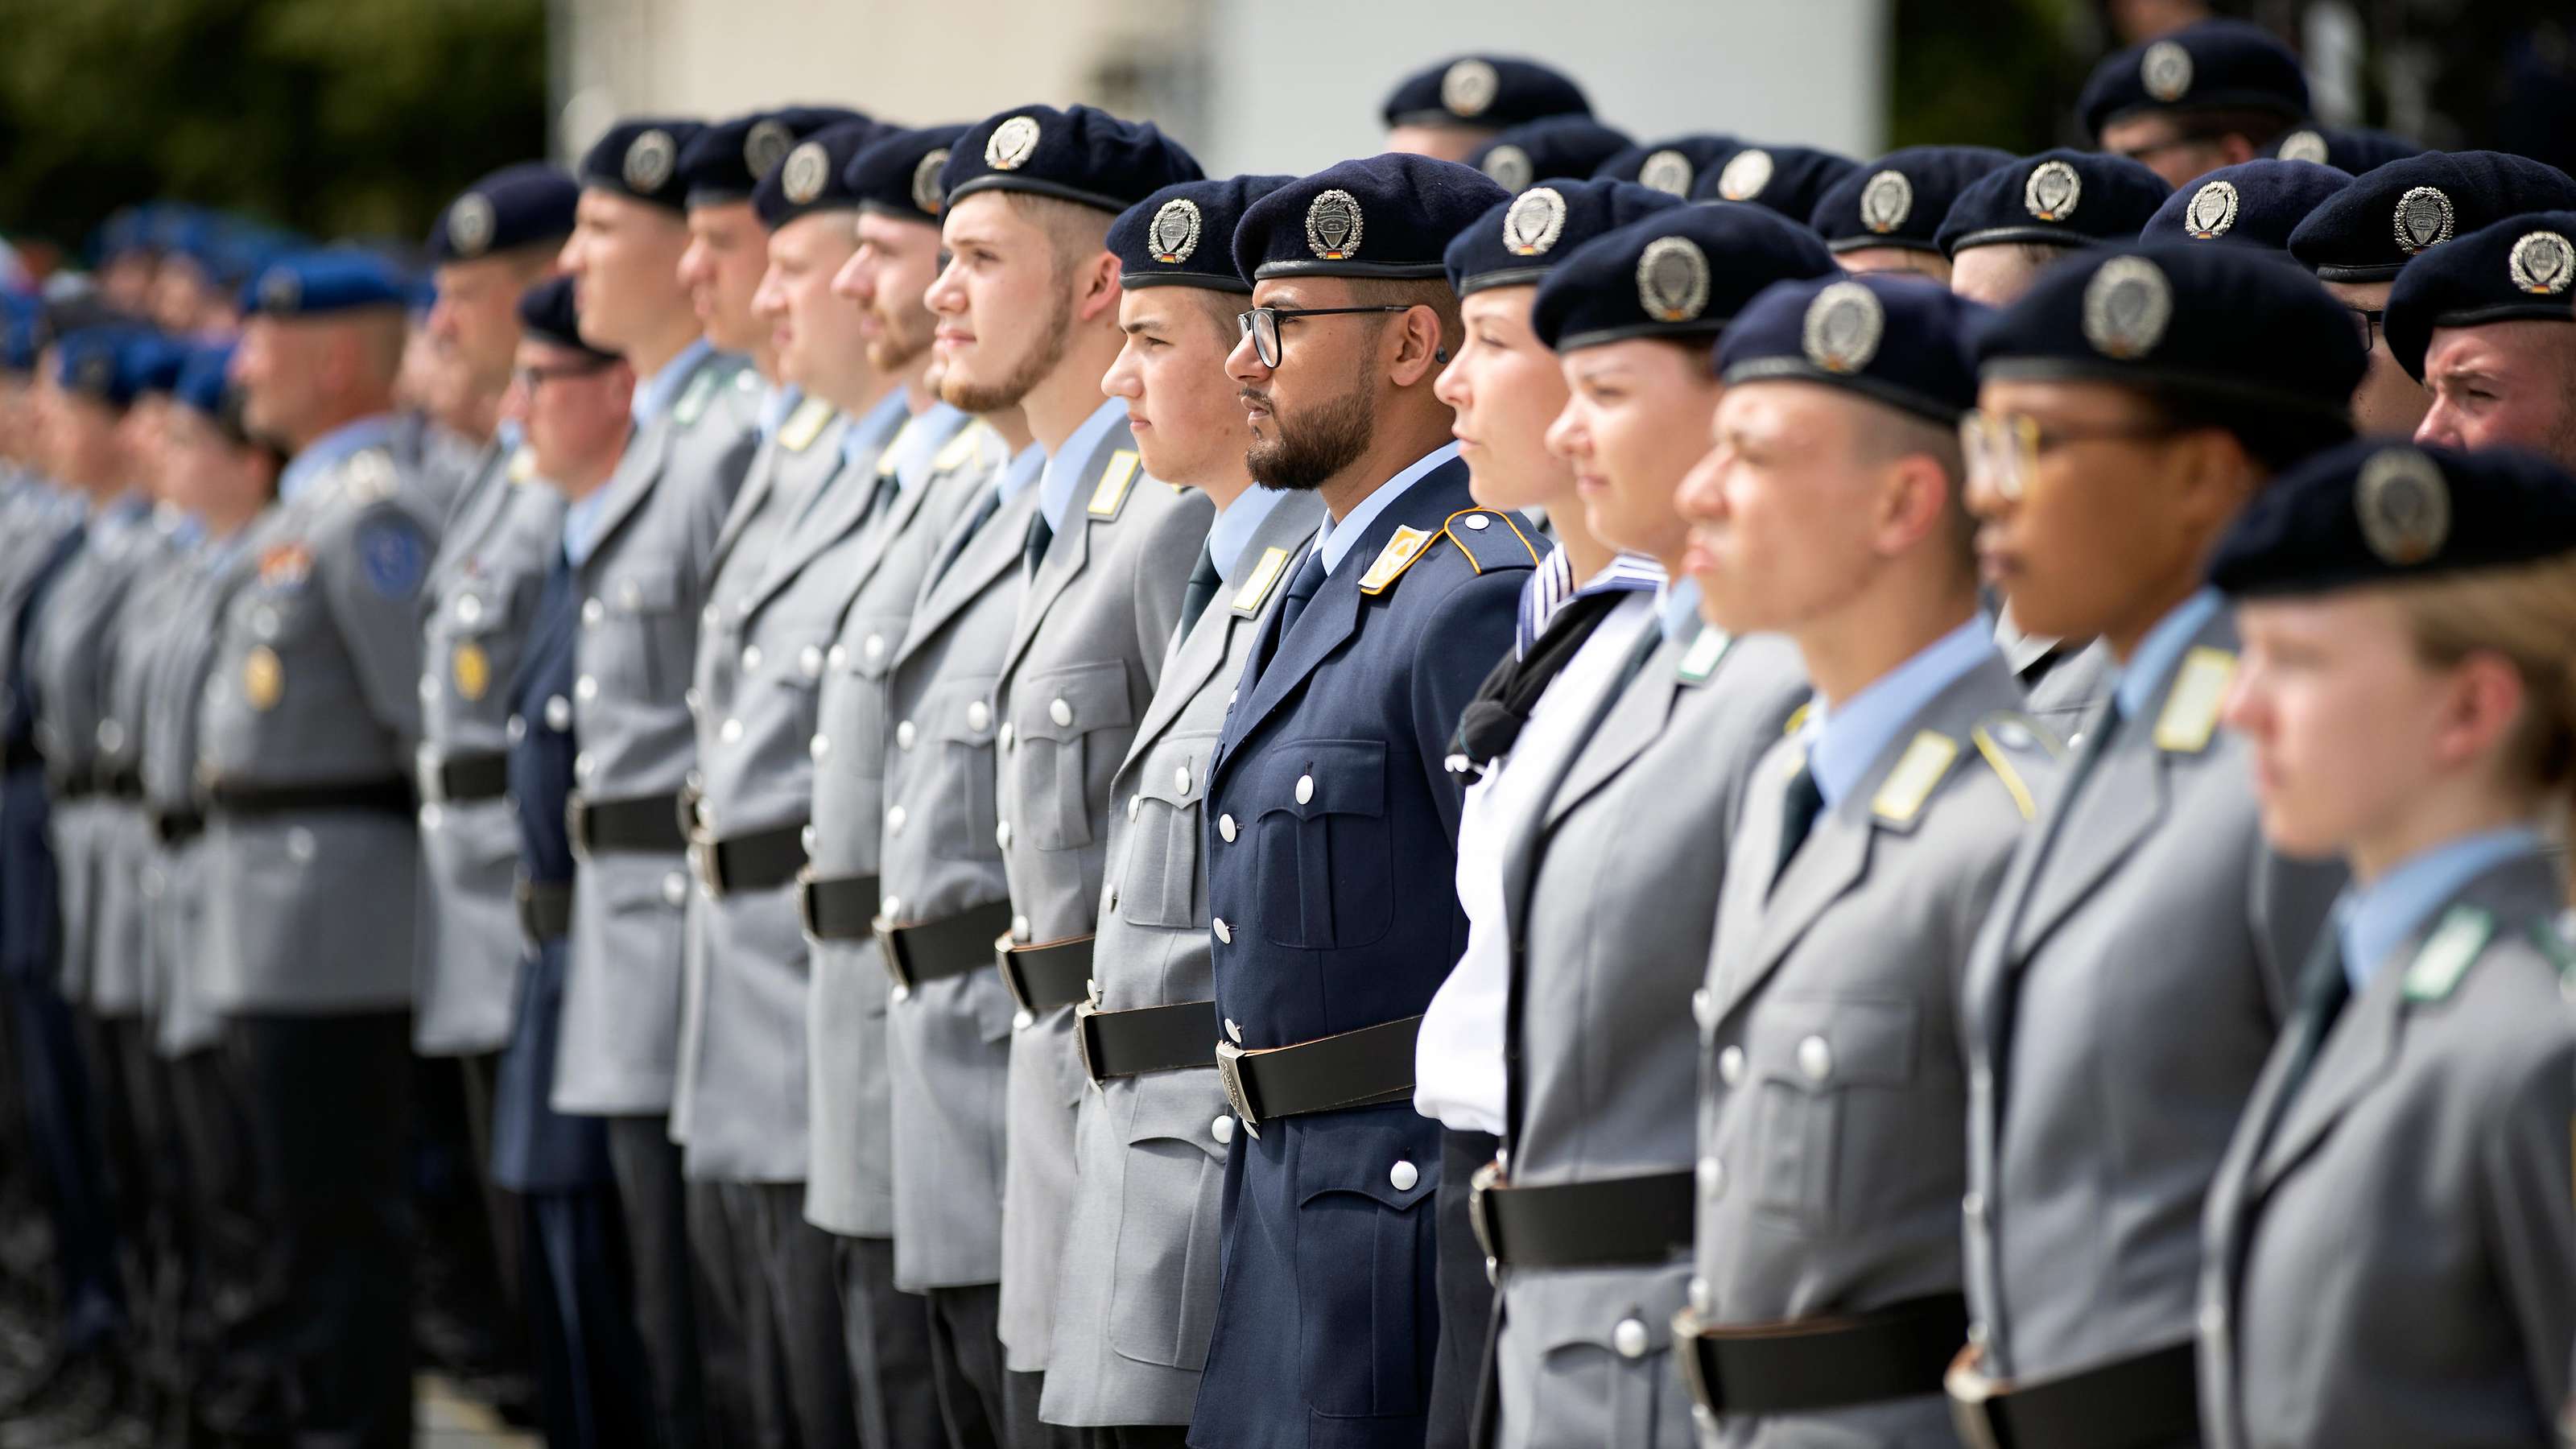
(335, 117)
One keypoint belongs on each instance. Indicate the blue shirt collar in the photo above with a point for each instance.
(1021, 471)
(1847, 738)
(581, 525)
(873, 431)
(508, 436)
(327, 451)
(2151, 666)
(654, 395)
(1676, 605)
(1232, 532)
(2372, 921)
(916, 447)
(777, 400)
(1064, 465)
(1336, 540)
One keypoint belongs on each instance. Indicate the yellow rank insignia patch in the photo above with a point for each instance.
(2448, 953)
(472, 669)
(263, 678)
(959, 449)
(1398, 555)
(1700, 660)
(523, 465)
(1901, 795)
(1114, 480)
(2191, 707)
(804, 425)
(1258, 584)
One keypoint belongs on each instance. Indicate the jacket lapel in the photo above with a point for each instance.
(816, 529)
(991, 553)
(1634, 720)
(1203, 650)
(757, 484)
(2119, 805)
(633, 481)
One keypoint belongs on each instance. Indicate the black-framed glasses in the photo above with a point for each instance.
(1262, 324)
(532, 378)
(2367, 321)
(2003, 449)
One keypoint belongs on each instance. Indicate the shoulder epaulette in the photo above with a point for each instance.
(2192, 705)
(523, 465)
(961, 447)
(804, 425)
(2005, 733)
(1401, 553)
(2448, 953)
(1265, 576)
(1701, 659)
(1109, 495)
(1480, 534)
(695, 397)
(1918, 772)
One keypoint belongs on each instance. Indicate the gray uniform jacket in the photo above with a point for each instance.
(1834, 1100)
(1081, 667)
(315, 683)
(2062, 680)
(1606, 1066)
(1136, 1296)
(501, 539)
(2392, 1249)
(2123, 997)
(948, 1041)
(159, 615)
(849, 1183)
(642, 587)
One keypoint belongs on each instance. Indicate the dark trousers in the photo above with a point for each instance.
(788, 1276)
(54, 1094)
(966, 1363)
(667, 1294)
(594, 1389)
(470, 1309)
(162, 1252)
(886, 1333)
(1466, 1296)
(329, 1101)
(230, 1388)
(1024, 1429)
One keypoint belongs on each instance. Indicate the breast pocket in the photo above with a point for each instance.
(1162, 1294)
(1815, 1062)
(959, 723)
(641, 645)
(1326, 856)
(1159, 883)
(1367, 1324)
(1068, 725)
(473, 641)
(857, 725)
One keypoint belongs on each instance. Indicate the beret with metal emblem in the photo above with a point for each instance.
(2234, 324)
(1183, 235)
(546, 315)
(2346, 148)
(91, 363)
(897, 174)
(725, 162)
(2381, 511)
(127, 231)
(640, 159)
(2209, 65)
(2519, 268)
(1899, 199)
(1483, 90)
(1080, 154)
(810, 178)
(2252, 203)
(1673, 166)
(322, 281)
(154, 361)
(1516, 242)
(2056, 198)
(21, 333)
(1379, 216)
(1787, 179)
(2386, 217)
(205, 378)
(1559, 146)
(517, 206)
(1894, 339)
(1681, 274)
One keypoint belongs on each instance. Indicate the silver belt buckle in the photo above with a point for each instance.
(1972, 1401)
(1229, 1071)
(805, 899)
(1083, 1012)
(892, 951)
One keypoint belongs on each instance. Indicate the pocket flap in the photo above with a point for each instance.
(1360, 1154)
(1176, 771)
(1066, 704)
(1819, 1043)
(1599, 1327)
(642, 591)
(1179, 1107)
(961, 711)
(1315, 778)
(867, 645)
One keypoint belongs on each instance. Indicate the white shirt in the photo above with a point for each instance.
(1458, 1071)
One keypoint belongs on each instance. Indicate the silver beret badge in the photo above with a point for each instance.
(1534, 221)
(1746, 173)
(1844, 324)
(470, 224)
(1469, 87)
(2165, 70)
(2126, 307)
(280, 291)
(1333, 225)
(2404, 506)
(1672, 279)
(802, 175)
(2052, 192)
(1511, 167)
(2303, 145)
(1667, 171)
(2212, 210)
(2541, 263)
(1886, 202)
(649, 159)
(1008, 148)
(1174, 233)
(925, 181)
(2423, 218)
(764, 146)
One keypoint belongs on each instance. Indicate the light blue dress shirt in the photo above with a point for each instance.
(2374, 920)
(1232, 532)
(2151, 667)
(1336, 540)
(654, 395)
(1845, 739)
(1064, 465)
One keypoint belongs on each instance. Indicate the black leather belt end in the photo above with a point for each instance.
(1811, 1364)
(545, 910)
(2132, 1403)
(837, 907)
(1042, 978)
(1609, 1222)
(935, 950)
(757, 861)
(1370, 1067)
(647, 824)
(1146, 1039)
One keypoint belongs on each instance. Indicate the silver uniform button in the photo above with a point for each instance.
(1703, 1007)
(1225, 828)
(1973, 1207)
(430, 815)
(1002, 834)
(809, 661)
(978, 715)
(1007, 736)
(1222, 1129)
(300, 845)
(111, 735)
(587, 687)
(730, 731)
(751, 659)
(2014, 734)
(1630, 1336)
(1061, 713)
(891, 908)
(873, 646)
(558, 713)
(1022, 1021)
(1181, 779)
(2073, 740)
(517, 729)
(1702, 1302)
(1712, 1178)
(817, 747)
(1019, 928)
(469, 609)
(1815, 1059)
(592, 611)
(900, 994)
(1224, 932)
(1135, 806)
(1233, 1031)
(583, 764)
(1305, 789)
(1480, 523)
(838, 656)
(903, 735)
(429, 689)
(708, 617)
(1403, 1176)
(1730, 1065)
(894, 820)
(806, 838)
(675, 888)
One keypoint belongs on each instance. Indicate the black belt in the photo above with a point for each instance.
(1147, 1039)
(19, 755)
(1042, 978)
(2153, 1398)
(935, 950)
(1826, 1362)
(545, 909)
(1614, 1221)
(837, 907)
(390, 796)
(1369, 1067)
(116, 784)
(759, 861)
(460, 778)
(177, 827)
(649, 823)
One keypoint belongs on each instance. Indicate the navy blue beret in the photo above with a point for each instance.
(1559, 146)
(2377, 511)
(2205, 66)
(2369, 229)
(897, 174)
(21, 332)
(2056, 198)
(2517, 268)
(726, 161)
(1787, 179)
(640, 159)
(154, 360)
(1673, 166)
(91, 363)
(2346, 148)
(1379, 216)
(2252, 203)
(1899, 199)
(811, 178)
(1894, 339)
(1517, 241)
(1080, 154)
(1681, 274)
(1483, 90)
(546, 314)
(205, 379)
(2230, 323)
(1183, 235)
(325, 280)
(127, 230)
(516, 206)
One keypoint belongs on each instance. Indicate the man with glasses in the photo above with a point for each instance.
(1333, 853)
(2133, 974)
(2485, 322)
(2184, 104)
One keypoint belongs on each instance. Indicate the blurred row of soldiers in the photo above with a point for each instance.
(980, 790)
